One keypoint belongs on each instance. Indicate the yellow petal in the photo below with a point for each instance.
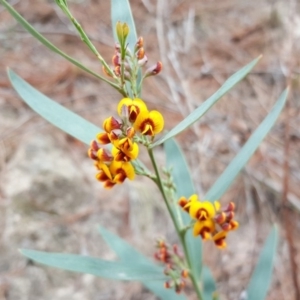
(158, 121)
(217, 205)
(114, 151)
(139, 120)
(204, 228)
(105, 169)
(194, 208)
(133, 154)
(122, 167)
(209, 207)
(149, 123)
(194, 197)
(129, 170)
(219, 239)
(138, 105)
(115, 166)
(124, 101)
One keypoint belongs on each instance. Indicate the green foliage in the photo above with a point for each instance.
(184, 187)
(262, 275)
(121, 11)
(205, 106)
(209, 284)
(53, 112)
(50, 46)
(129, 254)
(236, 165)
(95, 266)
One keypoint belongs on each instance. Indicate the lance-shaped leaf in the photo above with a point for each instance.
(205, 106)
(58, 115)
(209, 284)
(49, 45)
(95, 266)
(184, 187)
(129, 254)
(53, 112)
(121, 11)
(236, 165)
(261, 278)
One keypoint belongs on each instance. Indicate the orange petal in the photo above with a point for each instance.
(219, 239)
(103, 138)
(204, 228)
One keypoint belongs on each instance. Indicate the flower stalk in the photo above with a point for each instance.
(178, 229)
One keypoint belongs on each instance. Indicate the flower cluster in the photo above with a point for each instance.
(123, 133)
(173, 259)
(125, 64)
(211, 222)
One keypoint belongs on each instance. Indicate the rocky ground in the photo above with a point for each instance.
(49, 199)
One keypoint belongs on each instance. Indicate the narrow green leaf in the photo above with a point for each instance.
(58, 115)
(205, 106)
(94, 266)
(129, 254)
(53, 112)
(184, 187)
(236, 165)
(49, 45)
(121, 11)
(262, 275)
(209, 284)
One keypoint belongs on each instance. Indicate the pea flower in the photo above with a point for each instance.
(115, 173)
(210, 221)
(149, 123)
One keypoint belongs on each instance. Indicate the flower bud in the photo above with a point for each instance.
(140, 54)
(117, 47)
(92, 154)
(143, 61)
(154, 70)
(116, 60)
(117, 71)
(220, 218)
(168, 284)
(122, 30)
(104, 155)
(94, 145)
(106, 72)
(229, 216)
(226, 226)
(115, 134)
(140, 43)
(234, 224)
(230, 207)
(112, 123)
(184, 273)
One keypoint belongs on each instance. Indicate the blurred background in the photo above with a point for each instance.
(49, 199)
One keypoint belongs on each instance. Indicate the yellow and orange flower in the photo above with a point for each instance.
(125, 150)
(132, 107)
(115, 173)
(149, 123)
(210, 221)
(203, 212)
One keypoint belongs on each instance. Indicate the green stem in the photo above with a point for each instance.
(180, 233)
(86, 39)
